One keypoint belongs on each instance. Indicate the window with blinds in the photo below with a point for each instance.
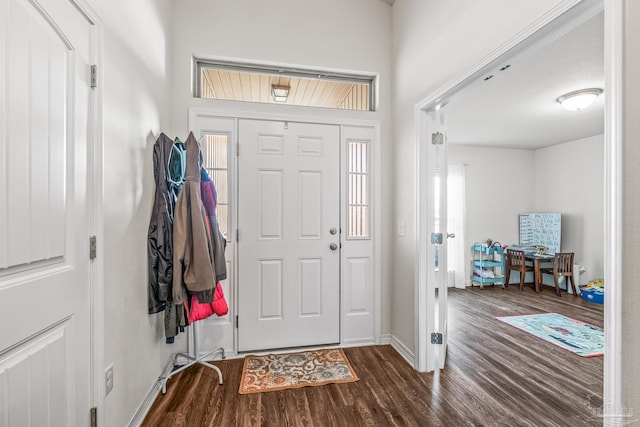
(358, 190)
(216, 162)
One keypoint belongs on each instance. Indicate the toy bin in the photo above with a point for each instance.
(592, 295)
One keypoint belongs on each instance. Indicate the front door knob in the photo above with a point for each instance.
(333, 246)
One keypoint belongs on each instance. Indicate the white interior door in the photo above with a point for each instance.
(441, 168)
(435, 192)
(289, 235)
(44, 229)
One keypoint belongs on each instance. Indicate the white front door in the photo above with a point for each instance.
(289, 235)
(45, 323)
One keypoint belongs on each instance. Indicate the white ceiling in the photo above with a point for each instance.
(517, 108)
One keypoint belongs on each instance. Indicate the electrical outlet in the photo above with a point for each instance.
(108, 379)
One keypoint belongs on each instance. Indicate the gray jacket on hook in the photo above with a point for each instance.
(192, 245)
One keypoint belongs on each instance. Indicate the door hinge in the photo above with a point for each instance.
(93, 247)
(237, 234)
(94, 76)
(437, 138)
(436, 338)
(237, 321)
(436, 238)
(237, 149)
(94, 417)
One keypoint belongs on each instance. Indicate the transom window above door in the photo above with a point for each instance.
(271, 85)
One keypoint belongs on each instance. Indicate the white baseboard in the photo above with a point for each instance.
(403, 350)
(357, 343)
(385, 339)
(153, 392)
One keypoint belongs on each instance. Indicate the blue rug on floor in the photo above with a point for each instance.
(573, 335)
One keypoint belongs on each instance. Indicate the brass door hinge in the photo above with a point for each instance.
(93, 247)
(94, 76)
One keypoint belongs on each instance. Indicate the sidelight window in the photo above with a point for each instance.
(358, 190)
(216, 162)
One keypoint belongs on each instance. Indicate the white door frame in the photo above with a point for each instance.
(198, 113)
(549, 22)
(96, 211)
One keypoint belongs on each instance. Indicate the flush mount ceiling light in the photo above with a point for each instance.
(579, 99)
(280, 93)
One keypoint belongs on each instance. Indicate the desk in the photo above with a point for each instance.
(537, 276)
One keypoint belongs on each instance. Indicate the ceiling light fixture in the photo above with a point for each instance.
(280, 93)
(579, 99)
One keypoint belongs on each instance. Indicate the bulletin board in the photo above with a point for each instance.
(541, 229)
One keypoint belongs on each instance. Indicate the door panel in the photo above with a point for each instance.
(289, 195)
(44, 229)
(437, 288)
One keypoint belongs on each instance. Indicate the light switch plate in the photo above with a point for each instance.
(402, 228)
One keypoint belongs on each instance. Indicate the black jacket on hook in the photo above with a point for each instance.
(160, 236)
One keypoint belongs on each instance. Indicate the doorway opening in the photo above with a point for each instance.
(554, 26)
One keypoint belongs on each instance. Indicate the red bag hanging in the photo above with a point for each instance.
(220, 306)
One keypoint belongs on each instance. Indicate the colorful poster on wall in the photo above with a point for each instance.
(541, 229)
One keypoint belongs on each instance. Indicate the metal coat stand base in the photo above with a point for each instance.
(193, 360)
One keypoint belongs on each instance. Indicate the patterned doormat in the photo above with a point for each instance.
(580, 338)
(293, 370)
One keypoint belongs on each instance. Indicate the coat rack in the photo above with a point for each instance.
(193, 360)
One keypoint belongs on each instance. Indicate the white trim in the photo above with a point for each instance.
(423, 306)
(377, 234)
(614, 29)
(385, 339)
(551, 22)
(286, 117)
(357, 343)
(403, 350)
(96, 213)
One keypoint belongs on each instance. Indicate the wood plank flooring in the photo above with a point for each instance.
(496, 375)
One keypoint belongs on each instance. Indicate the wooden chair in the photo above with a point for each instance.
(562, 267)
(515, 261)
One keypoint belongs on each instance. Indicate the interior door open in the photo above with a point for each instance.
(45, 303)
(434, 236)
(441, 291)
(289, 235)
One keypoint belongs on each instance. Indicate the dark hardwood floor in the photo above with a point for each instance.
(496, 375)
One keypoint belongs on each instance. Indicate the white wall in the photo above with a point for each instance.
(494, 196)
(569, 178)
(434, 42)
(136, 108)
(352, 35)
